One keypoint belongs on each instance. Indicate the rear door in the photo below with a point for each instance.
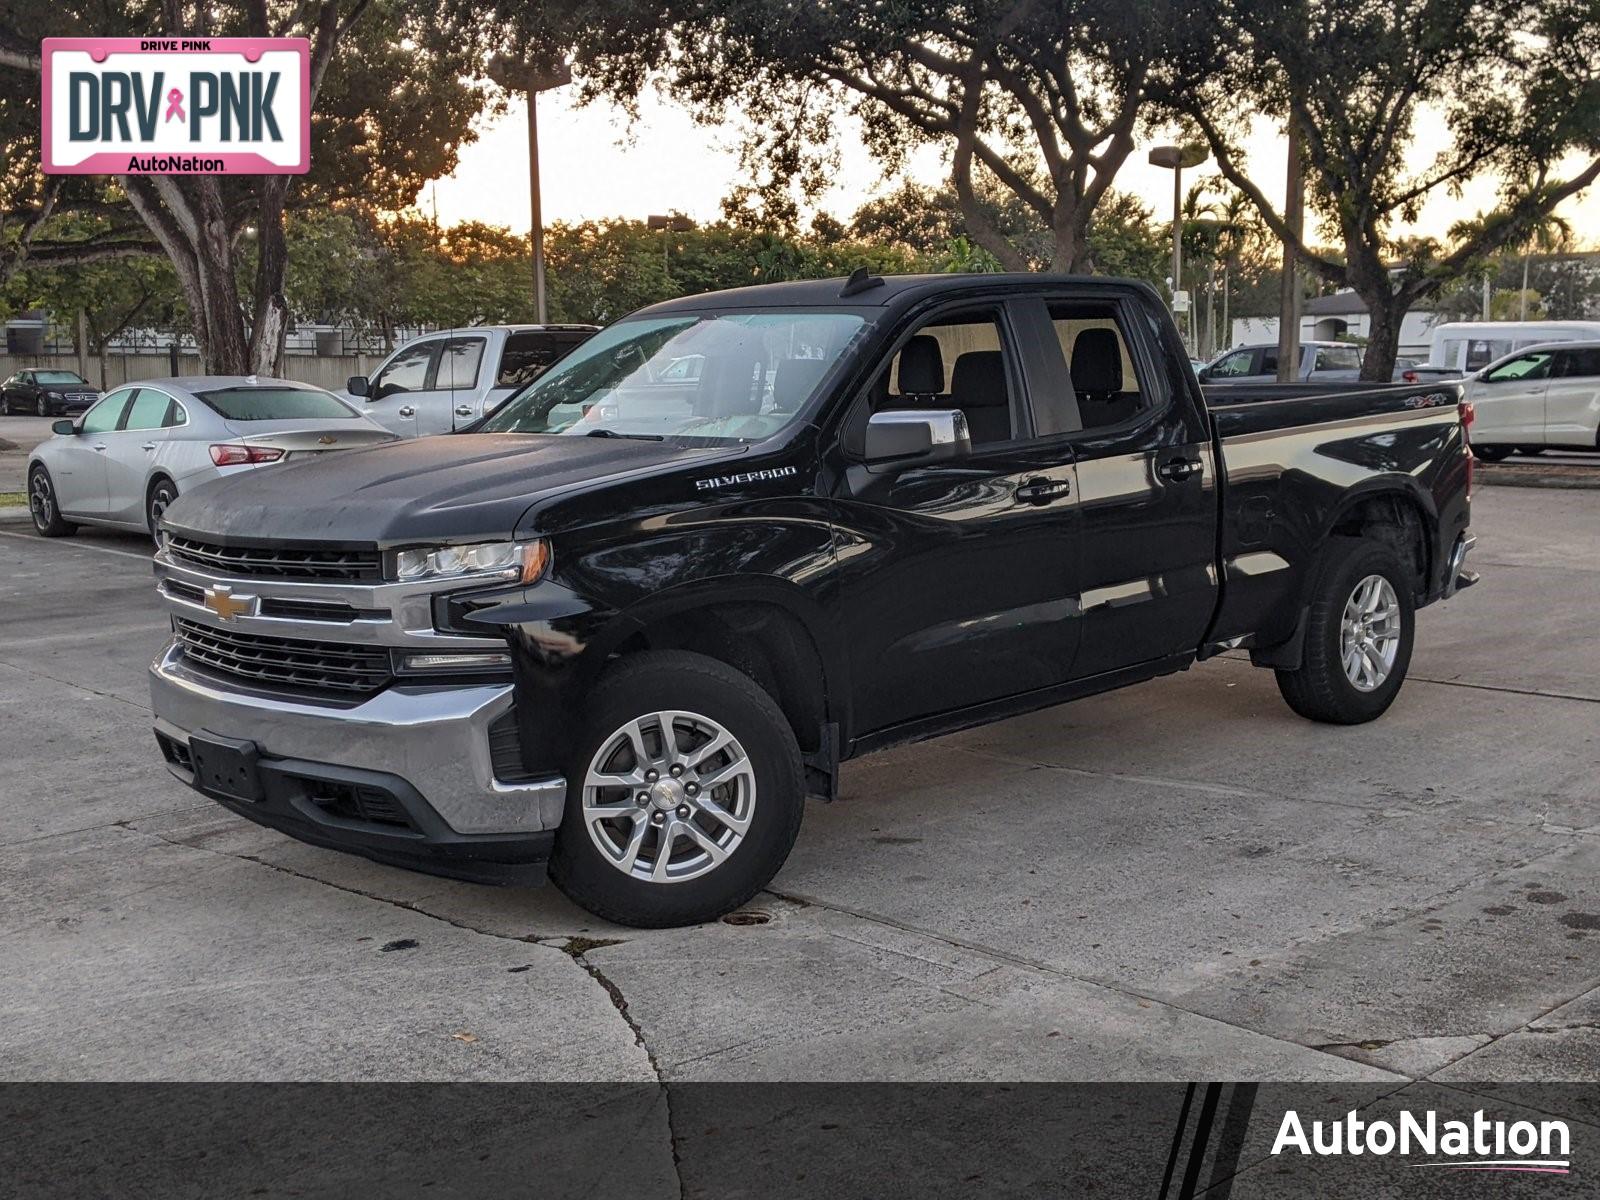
(1572, 398)
(130, 451)
(1146, 480)
(79, 466)
(464, 374)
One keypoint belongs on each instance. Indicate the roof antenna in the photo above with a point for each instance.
(860, 281)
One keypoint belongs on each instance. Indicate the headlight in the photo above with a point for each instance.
(503, 560)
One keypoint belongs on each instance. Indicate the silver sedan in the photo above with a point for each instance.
(133, 453)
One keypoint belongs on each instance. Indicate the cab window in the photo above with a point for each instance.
(105, 416)
(459, 362)
(1231, 366)
(1105, 379)
(1525, 366)
(957, 360)
(1336, 358)
(411, 370)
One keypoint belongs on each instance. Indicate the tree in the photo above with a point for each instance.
(1046, 97)
(391, 104)
(1514, 80)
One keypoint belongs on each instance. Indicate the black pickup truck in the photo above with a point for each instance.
(626, 624)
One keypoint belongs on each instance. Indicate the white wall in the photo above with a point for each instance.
(1415, 328)
(329, 373)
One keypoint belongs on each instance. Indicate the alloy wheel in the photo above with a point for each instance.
(1369, 633)
(668, 797)
(41, 503)
(42, 407)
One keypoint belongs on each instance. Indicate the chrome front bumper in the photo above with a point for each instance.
(435, 738)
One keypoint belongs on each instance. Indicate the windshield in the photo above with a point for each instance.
(58, 377)
(276, 404)
(711, 377)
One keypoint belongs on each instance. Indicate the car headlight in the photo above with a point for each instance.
(499, 560)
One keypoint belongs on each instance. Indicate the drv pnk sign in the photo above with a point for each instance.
(177, 106)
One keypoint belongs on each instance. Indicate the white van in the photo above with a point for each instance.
(1462, 347)
(446, 381)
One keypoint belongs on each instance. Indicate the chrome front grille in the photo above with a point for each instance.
(329, 668)
(279, 562)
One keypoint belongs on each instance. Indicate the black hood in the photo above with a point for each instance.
(449, 488)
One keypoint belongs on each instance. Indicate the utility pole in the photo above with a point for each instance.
(531, 79)
(1294, 216)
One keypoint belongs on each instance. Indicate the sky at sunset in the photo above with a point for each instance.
(597, 165)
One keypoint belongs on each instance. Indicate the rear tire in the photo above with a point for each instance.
(698, 696)
(1490, 454)
(44, 507)
(1347, 674)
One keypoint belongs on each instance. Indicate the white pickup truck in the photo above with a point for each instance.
(446, 381)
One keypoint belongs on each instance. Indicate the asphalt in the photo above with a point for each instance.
(1179, 880)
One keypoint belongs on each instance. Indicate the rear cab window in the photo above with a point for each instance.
(528, 355)
(1106, 380)
(275, 404)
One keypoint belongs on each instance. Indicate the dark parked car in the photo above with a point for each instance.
(47, 393)
(625, 625)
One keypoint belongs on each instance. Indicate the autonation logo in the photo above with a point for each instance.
(1476, 1145)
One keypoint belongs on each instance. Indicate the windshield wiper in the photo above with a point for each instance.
(638, 437)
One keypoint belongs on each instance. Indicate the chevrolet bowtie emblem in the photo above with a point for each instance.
(221, 600)
(326, 440)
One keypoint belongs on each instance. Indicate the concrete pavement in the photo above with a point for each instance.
(1179, 880)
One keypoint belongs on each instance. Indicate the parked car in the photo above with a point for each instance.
(47, 393)
(126, 459)
(447, 381)
(626, 625)
(1535, 398)
(1319, 362)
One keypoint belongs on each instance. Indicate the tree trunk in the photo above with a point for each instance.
(1383, 338)
(272, 308)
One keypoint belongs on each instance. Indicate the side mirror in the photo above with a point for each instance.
(1203, 374)
(66, 428)
(357, 385)
(904, 436)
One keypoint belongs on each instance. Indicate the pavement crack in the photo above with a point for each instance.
(578, 948)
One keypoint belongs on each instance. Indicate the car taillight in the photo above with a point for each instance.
(1469, 414)
(1408, 376)
(225, 455)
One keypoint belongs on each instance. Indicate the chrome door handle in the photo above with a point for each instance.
(1179, 469)
(100, 446)
(1042, 491)
(463, 410)
(148, 446)
(407, 411)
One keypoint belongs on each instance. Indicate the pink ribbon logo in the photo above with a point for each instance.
(175, 105)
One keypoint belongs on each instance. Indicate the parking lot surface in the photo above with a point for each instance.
(1178, 880)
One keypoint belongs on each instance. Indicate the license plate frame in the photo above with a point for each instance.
(226, 768)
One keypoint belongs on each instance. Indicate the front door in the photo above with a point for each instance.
(1147, 501)
(461, 368)
(1508, 401)
(392, 397)
(80, 470)
(958, 578)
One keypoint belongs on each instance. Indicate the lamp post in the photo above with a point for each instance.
(668, 224)
(532, 78)
(1175, 159)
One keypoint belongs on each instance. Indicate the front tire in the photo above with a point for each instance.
(1359, 632)
(684, 798)
(1490, 454)
(162, 494)
(42, 407)
(44, 507)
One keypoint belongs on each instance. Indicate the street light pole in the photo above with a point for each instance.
(531, 79)
(541, 314)
(1175, 159)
